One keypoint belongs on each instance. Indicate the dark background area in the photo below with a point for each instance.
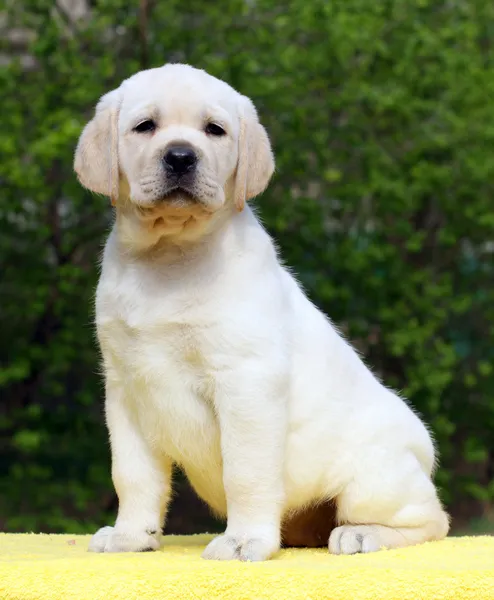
(382, 119)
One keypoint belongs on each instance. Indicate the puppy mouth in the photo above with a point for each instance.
(173, 210)
(178, 196)
(174, 206)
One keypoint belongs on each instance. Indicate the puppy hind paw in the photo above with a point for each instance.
(354, 539)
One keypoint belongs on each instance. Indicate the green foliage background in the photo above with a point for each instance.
(382, 120)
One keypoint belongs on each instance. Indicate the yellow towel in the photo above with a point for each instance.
(58, 567)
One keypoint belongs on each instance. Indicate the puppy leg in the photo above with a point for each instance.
(142, 481)
(253, 427)
(383, 508)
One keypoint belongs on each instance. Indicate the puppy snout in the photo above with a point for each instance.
(179, 159)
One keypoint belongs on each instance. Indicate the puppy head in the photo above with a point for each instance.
(173, 146)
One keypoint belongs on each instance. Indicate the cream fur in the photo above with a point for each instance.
(216, 361)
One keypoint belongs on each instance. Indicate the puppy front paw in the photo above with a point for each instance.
(245, 548)
(109, 539)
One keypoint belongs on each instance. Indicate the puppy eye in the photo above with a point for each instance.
(213, 129)
(145, 126)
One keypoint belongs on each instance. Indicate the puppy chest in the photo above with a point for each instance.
(144, 349)
(170, 384)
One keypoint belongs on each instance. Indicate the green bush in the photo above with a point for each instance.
(383, 202)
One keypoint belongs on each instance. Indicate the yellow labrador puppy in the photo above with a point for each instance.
(215, 360)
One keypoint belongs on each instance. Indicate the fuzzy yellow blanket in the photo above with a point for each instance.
(58, 567)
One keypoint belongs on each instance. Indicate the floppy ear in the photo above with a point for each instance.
(255, 158)
(96, 155)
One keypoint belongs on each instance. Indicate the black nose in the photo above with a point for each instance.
(179, 159)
